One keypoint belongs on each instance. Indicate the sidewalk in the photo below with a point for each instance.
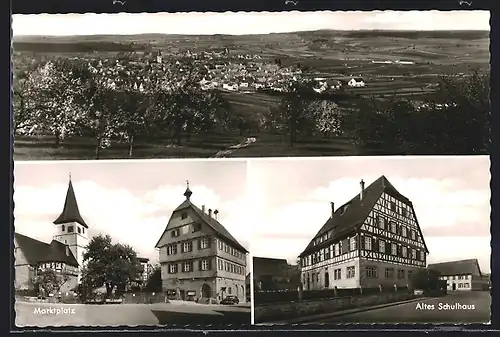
(313, 318)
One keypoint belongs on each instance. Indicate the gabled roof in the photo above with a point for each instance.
(36, 252)
(70, 213)
(219, 229)
(351, 216)
(460, 267)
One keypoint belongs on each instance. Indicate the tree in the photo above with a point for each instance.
(50, 281)
(113, 265)
(24, 100)
(54, 88)
(154, 282)
(425, 279)
(327, 117)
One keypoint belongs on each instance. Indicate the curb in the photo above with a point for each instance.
(310, 319)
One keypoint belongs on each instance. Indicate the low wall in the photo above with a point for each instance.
(283, 311)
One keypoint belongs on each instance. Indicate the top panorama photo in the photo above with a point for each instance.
(250, 84)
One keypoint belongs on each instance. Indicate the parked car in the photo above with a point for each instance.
(231, 299)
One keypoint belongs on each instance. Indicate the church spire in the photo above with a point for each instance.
(70, 212)
(188, 192)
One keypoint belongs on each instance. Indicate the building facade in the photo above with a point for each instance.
(146, 268)
(63, 255)
(199, 258)
(462, 275)
(374, 240)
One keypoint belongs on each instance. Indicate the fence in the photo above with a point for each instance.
(145, 298)
(269, 297)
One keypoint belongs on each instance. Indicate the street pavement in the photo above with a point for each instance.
(51, 314)
(432, 310)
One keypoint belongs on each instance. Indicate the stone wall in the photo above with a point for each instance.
(283, 311)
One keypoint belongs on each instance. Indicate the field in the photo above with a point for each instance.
(372, 55)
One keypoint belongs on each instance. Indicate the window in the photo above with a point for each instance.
(405, 251)
(188, 266)
(413, 254)
(381, 222)
(226, 266)
(394, 249)
(351, 272)
(204, 265)
(368, 243)
(79, 230)
(184, 215)
(187, 246)
(63, 228)
(220, 264)
(389, 273)
(404, 212)
(172, 269)
(466, 285)
(221, 245)
(371, 272)
(204, 243)
(175, 232)
(71, 229)
(381, 246)
(83, 230)
(352, 244)
(327, 253)
(401, 274)
(422, 255)
(226, 248)
(404, 231)
(196, 227)
(412, 234)
(185, 229)
(337, 274)
(172, 249)
(393, 227)
(393, 206)
(337, 249)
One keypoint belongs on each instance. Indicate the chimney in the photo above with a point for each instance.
(210, 212)
(67, 251)
(362, 185)
(203, 209)
(216, 214)
(333, 208)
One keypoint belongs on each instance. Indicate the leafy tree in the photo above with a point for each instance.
(327, 117)
(425, 279)
(111, 265)
(24, 100)
(54, 86)
(154, 282)
(50, 281)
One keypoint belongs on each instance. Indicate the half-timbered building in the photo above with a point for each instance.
(461, 275)
(371, 241)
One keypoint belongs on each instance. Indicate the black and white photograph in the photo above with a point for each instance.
(250, 84)
(128, 243)
(397, 239)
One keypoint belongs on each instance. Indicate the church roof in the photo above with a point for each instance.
(70, 213)
(36, 252)
(351, 216)
(219, 229)
(461, 267)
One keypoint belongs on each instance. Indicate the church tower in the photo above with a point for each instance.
(71, 228)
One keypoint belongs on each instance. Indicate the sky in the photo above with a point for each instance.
(451, 197)
(130, 200)
(241, 23)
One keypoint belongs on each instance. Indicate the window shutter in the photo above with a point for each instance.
(209, 264)
(375, 245)
(199, 244)
(345, 246)
(363, 242)
(209, 239)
